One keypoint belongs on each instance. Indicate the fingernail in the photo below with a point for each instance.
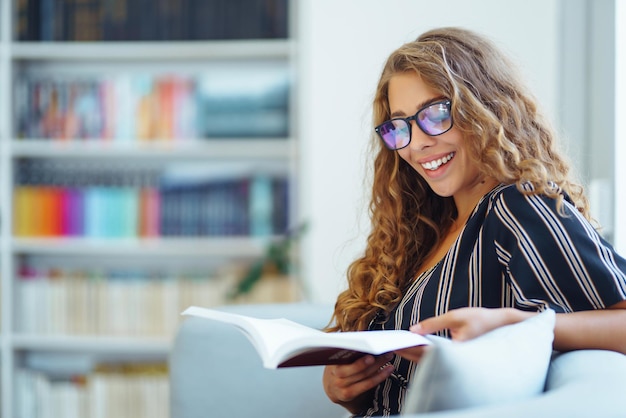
(369, 360)
(415, 328)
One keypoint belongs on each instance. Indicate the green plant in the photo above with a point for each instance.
(277, 258)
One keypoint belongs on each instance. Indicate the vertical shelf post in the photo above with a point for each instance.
(6, 352)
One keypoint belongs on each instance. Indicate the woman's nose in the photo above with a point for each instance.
(419, 139)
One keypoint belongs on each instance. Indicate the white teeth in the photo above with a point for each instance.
(435, 164)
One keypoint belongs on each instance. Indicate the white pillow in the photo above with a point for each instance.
(506, 364)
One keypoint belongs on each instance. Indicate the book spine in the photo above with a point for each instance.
(124, 102)
(261, 206)
(149, 206)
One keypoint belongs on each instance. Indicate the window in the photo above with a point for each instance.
(620, 127)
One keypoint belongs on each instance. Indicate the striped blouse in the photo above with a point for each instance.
(514, 251)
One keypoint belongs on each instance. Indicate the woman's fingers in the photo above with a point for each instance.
(343, 383)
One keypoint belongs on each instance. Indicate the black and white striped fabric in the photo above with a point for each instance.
(516, 250)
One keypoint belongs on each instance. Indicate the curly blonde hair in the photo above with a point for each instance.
(506, 135)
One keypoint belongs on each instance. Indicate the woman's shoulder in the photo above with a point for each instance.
(519, 198)
(518, 193)
(506, 193)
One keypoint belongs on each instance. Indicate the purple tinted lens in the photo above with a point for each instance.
(395, 133)
(435, 119)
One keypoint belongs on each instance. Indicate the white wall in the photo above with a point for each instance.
(342, 46)
(620, 127)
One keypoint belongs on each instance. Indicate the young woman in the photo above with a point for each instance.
(476, 220)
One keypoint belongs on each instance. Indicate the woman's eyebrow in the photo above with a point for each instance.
(399, 113)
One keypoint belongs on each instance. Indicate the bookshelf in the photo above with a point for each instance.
(152, 193)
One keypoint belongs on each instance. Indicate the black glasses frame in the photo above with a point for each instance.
(415, 117)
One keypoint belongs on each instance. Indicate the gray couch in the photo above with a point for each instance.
(215, 372)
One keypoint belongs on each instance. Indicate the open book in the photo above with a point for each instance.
(284, 343)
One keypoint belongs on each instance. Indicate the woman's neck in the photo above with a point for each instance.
(467, 201)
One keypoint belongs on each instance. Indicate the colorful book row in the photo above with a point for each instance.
(251, 206)
(144, 106)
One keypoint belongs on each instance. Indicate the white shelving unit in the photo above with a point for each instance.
(270, 149)
(5, 345)
(21, 56)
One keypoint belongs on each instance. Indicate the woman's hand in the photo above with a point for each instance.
(599, 329)
(467, 323)
(350, 385)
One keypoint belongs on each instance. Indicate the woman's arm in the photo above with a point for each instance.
(603, 329)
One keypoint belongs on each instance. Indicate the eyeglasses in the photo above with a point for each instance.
(433, 119)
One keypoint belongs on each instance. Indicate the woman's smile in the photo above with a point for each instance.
(435, 164)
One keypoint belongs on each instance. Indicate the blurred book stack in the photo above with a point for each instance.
(85, 388)
(112, 301)
(241, 102)
(150, 20)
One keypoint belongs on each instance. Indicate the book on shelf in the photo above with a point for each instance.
(284, 343)
(145, 20)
